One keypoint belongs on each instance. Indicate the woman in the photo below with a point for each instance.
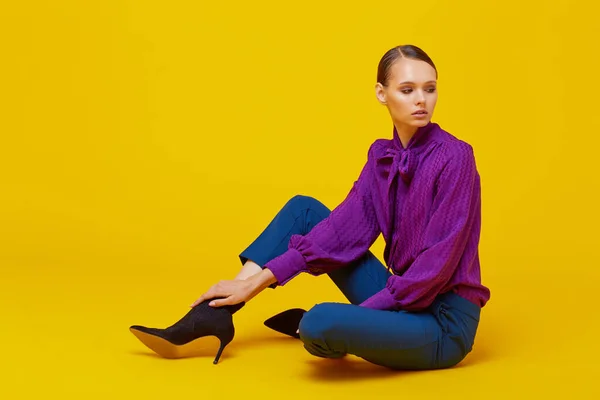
(421, 190)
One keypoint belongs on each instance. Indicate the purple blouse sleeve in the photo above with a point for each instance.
(454, 213)
(345, 235)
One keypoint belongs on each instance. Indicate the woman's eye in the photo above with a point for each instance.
(407, 91)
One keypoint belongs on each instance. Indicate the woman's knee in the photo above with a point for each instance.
(301, 202)
(317, 331)
(317, 322)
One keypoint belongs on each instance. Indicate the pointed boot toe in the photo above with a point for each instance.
(286, 322)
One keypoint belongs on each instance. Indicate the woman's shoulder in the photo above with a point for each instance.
(378, 148)
(452, 148)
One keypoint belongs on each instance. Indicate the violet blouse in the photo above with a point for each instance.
(426, 201)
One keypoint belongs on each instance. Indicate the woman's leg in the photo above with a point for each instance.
(298, 216)
(357, 281)
(438, 337)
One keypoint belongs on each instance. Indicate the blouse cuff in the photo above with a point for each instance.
(382, 300)
(286, 266)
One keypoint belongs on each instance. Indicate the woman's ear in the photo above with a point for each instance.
(380, 93)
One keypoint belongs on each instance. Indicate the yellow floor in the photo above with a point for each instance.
(65, 327)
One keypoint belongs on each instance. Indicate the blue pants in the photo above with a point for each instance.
(438, 337)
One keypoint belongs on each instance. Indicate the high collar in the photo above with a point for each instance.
(403, 160)
(417, 139)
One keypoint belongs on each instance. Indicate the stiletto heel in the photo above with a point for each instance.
(182, 339)
(219, 353)
(286, 322)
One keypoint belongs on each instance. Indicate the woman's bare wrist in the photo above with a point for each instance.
(266, 278)
(260, 281)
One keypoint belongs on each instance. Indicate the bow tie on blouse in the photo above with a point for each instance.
(403, 165)
(405, 159)
(404, 162)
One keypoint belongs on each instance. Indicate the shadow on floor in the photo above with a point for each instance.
(345, 368)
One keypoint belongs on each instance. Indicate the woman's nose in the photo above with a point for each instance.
(420, 98)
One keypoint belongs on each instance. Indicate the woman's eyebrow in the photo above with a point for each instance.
(402, 83)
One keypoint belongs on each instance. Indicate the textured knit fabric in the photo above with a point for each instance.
(425, 199)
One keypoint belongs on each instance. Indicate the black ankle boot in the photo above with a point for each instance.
(200, 322)
(286, 322)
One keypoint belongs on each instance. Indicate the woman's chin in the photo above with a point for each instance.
(420, 121)
(416, 122)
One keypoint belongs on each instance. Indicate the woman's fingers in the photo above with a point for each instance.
(223, 302)
(205, 296)
(221, 289)
(195, 303)
(200, 300)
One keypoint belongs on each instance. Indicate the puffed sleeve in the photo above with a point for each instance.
(455, 209)
(345, 235)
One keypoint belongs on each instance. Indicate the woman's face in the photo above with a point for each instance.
(410, 87)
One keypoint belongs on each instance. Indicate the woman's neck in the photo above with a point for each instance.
(405, 132)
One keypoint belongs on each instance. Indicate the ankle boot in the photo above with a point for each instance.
(201, 322)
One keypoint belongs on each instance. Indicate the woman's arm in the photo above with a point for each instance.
(343, 237)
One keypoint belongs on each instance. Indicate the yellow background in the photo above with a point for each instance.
(144, 144)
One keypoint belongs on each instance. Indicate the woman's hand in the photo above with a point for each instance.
(238, 290)
(234, 292)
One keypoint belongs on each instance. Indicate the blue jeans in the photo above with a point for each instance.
(438, 337)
